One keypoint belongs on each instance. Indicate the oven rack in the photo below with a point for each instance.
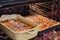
(33, 12)
(44, 8)
(35, 7)
(44, 5)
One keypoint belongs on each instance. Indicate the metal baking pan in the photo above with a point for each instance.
(49, 29)
(55, 26)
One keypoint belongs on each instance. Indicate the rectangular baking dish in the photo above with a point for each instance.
(24, 35)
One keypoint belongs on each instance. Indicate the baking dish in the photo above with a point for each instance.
(23, 35)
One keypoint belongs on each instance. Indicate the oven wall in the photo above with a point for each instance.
(59, 10)
(22, 10)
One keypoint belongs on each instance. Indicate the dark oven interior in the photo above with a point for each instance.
(46, 8)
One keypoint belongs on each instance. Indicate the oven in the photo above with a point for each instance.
(48, 8)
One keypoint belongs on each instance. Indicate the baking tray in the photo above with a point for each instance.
(49, 29)
(55, 26)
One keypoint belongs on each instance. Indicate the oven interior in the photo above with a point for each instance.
(45, 8)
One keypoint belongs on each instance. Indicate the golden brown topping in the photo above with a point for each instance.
(44, 22)
(16, 25)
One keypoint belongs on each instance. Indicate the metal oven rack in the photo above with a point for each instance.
(45, 9)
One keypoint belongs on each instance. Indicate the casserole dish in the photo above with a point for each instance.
(20, 35)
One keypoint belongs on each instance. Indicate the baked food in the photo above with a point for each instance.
(16, 25)
(42, 21)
